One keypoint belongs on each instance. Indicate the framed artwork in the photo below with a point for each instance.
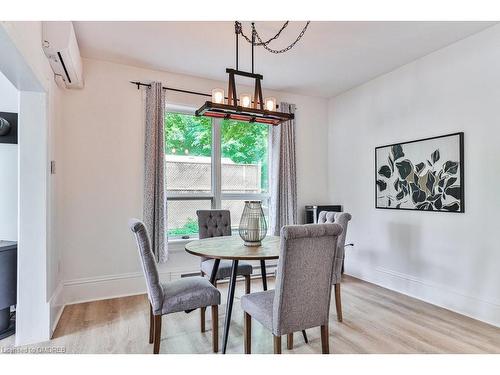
(425, 174)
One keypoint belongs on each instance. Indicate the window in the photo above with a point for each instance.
(212, 163)
(244, 157)
(181, 215)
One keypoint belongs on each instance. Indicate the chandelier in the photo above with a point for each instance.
(246, 107)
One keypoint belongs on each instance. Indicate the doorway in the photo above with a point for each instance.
(32, 300)
(9, 108)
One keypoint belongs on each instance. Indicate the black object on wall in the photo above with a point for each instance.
(8, 286)
(312, 212)
(8, 127)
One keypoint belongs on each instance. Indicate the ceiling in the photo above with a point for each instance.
(332, 57)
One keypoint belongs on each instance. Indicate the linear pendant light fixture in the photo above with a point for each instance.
(247, 108)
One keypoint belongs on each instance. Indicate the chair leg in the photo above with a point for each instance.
(264, 274)
(156, 347)
(203, 311)
(202, 317)
(215, 328)
(289, 341)
(304, 334)
(248, 334)
(151, 324)
(338, 302)
(325, 345)
(247, 284)
(277, 344)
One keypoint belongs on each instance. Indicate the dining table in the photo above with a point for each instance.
(233, 248)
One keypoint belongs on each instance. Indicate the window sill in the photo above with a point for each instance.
(182, 240)
(178, 244)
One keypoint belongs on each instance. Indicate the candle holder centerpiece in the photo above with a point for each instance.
(253, 226)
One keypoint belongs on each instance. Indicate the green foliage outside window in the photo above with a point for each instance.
(184, 132)
(190, 227)
(243, 143)
(246, 143)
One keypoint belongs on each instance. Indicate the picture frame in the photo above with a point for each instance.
(424, 174)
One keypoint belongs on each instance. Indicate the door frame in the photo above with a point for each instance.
(33, 313)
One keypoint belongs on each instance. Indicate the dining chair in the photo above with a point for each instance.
(217, 223)
(301, 298)
(169, 297)
(341, 218)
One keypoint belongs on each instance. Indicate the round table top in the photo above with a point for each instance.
(232, 248)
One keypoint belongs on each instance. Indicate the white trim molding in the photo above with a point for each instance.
(439, 295)
(56, 303)
(110, 286)
(126, 284)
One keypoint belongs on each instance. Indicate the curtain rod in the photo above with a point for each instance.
(139, 84)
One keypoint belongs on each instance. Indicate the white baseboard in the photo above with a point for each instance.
(111, 286)
(474, 307)
(56, 303)
(121, 285)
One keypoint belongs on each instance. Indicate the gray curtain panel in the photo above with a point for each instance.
(155, 212)
(283, 207)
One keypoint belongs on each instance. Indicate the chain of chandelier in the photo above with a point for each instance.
(265, 44)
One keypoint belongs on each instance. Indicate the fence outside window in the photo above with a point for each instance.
(212, 163)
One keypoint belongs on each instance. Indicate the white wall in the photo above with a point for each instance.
(103, 174)
(9, 102)
(447, 259)
(9, 96)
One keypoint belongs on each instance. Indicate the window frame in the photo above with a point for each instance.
(216, 196)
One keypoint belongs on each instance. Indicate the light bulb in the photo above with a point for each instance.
(245, 100)
(218, 96)
(174, 151)
(270, 104)
(186, 151)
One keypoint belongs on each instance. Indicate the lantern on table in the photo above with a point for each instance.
(253, 226)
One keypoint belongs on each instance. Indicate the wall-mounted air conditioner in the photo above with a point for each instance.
(61, 48)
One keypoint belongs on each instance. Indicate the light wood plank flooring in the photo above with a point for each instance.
(376, 320)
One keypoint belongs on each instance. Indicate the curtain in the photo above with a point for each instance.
(155, 212)
(283, 207)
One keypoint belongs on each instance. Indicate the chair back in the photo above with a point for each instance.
(303, 279)
(213, 223)
(341, 218)
(155, 292)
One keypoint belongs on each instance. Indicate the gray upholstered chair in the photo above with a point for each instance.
(341, 218)
(301, 298)
(217, 223)
(175, 296)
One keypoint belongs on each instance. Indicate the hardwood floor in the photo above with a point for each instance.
(376, 320)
